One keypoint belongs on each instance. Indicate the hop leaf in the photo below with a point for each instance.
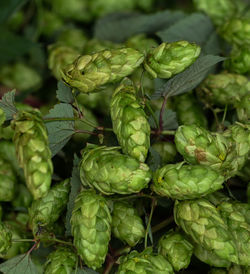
(31, 143)
(130, 123)
(5, 239)
(109, 171)
(91, 228)
(166, 150)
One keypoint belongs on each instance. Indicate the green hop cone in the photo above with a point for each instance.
(237, 217)
(141, 43)
(23, 197)
(239, 60)
(176, 248)
(236, 31)
(243, 108)
(189, 111)
(130, 122)
(209, 257)
(91, 227)
(166, 150)
(47, 210)
(50, 23)
(5, 239)
(127, 225)
(218, 10)
(224, 88)
(7, 181)
(145, 262)
(179, 181)
(61, 261)
(203, 223)
(59, 57)
(90, 72)
(95, 45)
(109, 171)
(32, 148)
(2, 117)
(20, 76)
(169, 59)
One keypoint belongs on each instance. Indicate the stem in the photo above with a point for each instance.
(141, 83)
(224, 115)
(161, 113)
(85, 131)
(153, 205)
(162, 224)
(163, 132)
(60, 241)
(60, 119)
(110, 263)
(33, 247)
(152, 113)
(22, 240)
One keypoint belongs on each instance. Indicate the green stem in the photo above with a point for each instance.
(152, 113)
(153, 205)
(46, 120)
(22, 240)
(224, 115)
(162, 224)
(60, 241)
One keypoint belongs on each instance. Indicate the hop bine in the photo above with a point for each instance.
(109, 171)
(91, 72)
(203, 223)
(127, 224)
(176, 248)
(91, 228)
(130, 122)
(32, 148)
(169, 59)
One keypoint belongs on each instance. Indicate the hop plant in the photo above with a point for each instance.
(218, 11)
(2, 117)
(237, 217)
(23, 197)
(203, 223)
(236, 31)
(47, 210)
(109, 171)
(61, 261)
(90, 72)
(59, 57)
(130, 122)
(209, 257)
(179, 181)
(144, 262)
(224, 88)
(239, 60)
(243, 108)
(34, 155)
(7, 182)
(166, 150)
(91, 227)
(141, 43)
(189, 112)
(176, 248)
(50, 23)
(169, 59)
(5, 239)
(127, 225)
(95, 45)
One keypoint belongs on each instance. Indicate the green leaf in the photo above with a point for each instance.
(154, 159)
(21, 264)
(169, 119)
(13, 46)
(8, 7)
(189, 78)
(64, 93)
(119, 27)
(60, 132)
(75, 182)
(7, 104)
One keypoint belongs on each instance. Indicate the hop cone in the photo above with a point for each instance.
(239, 61)
(95, 45)
(127, 225)
(50, 23)
(236, 31)
(203, 223)
(59, 57)
(209, 257)
(144, 263)
(90, 72)
(47, 210)
(237, 217)
(224, 88)
(91, 228)
(5, 239)
(169, 59)
(175, 247)
(189, 111)
(130, 122)
(243, 108)
(141, 43)
(2, 117)
(217, 10)
(109, 171)
(7, 182)
(181, 182)
(74, 38)
(61, 261)
(31, 142)
(166, 150)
